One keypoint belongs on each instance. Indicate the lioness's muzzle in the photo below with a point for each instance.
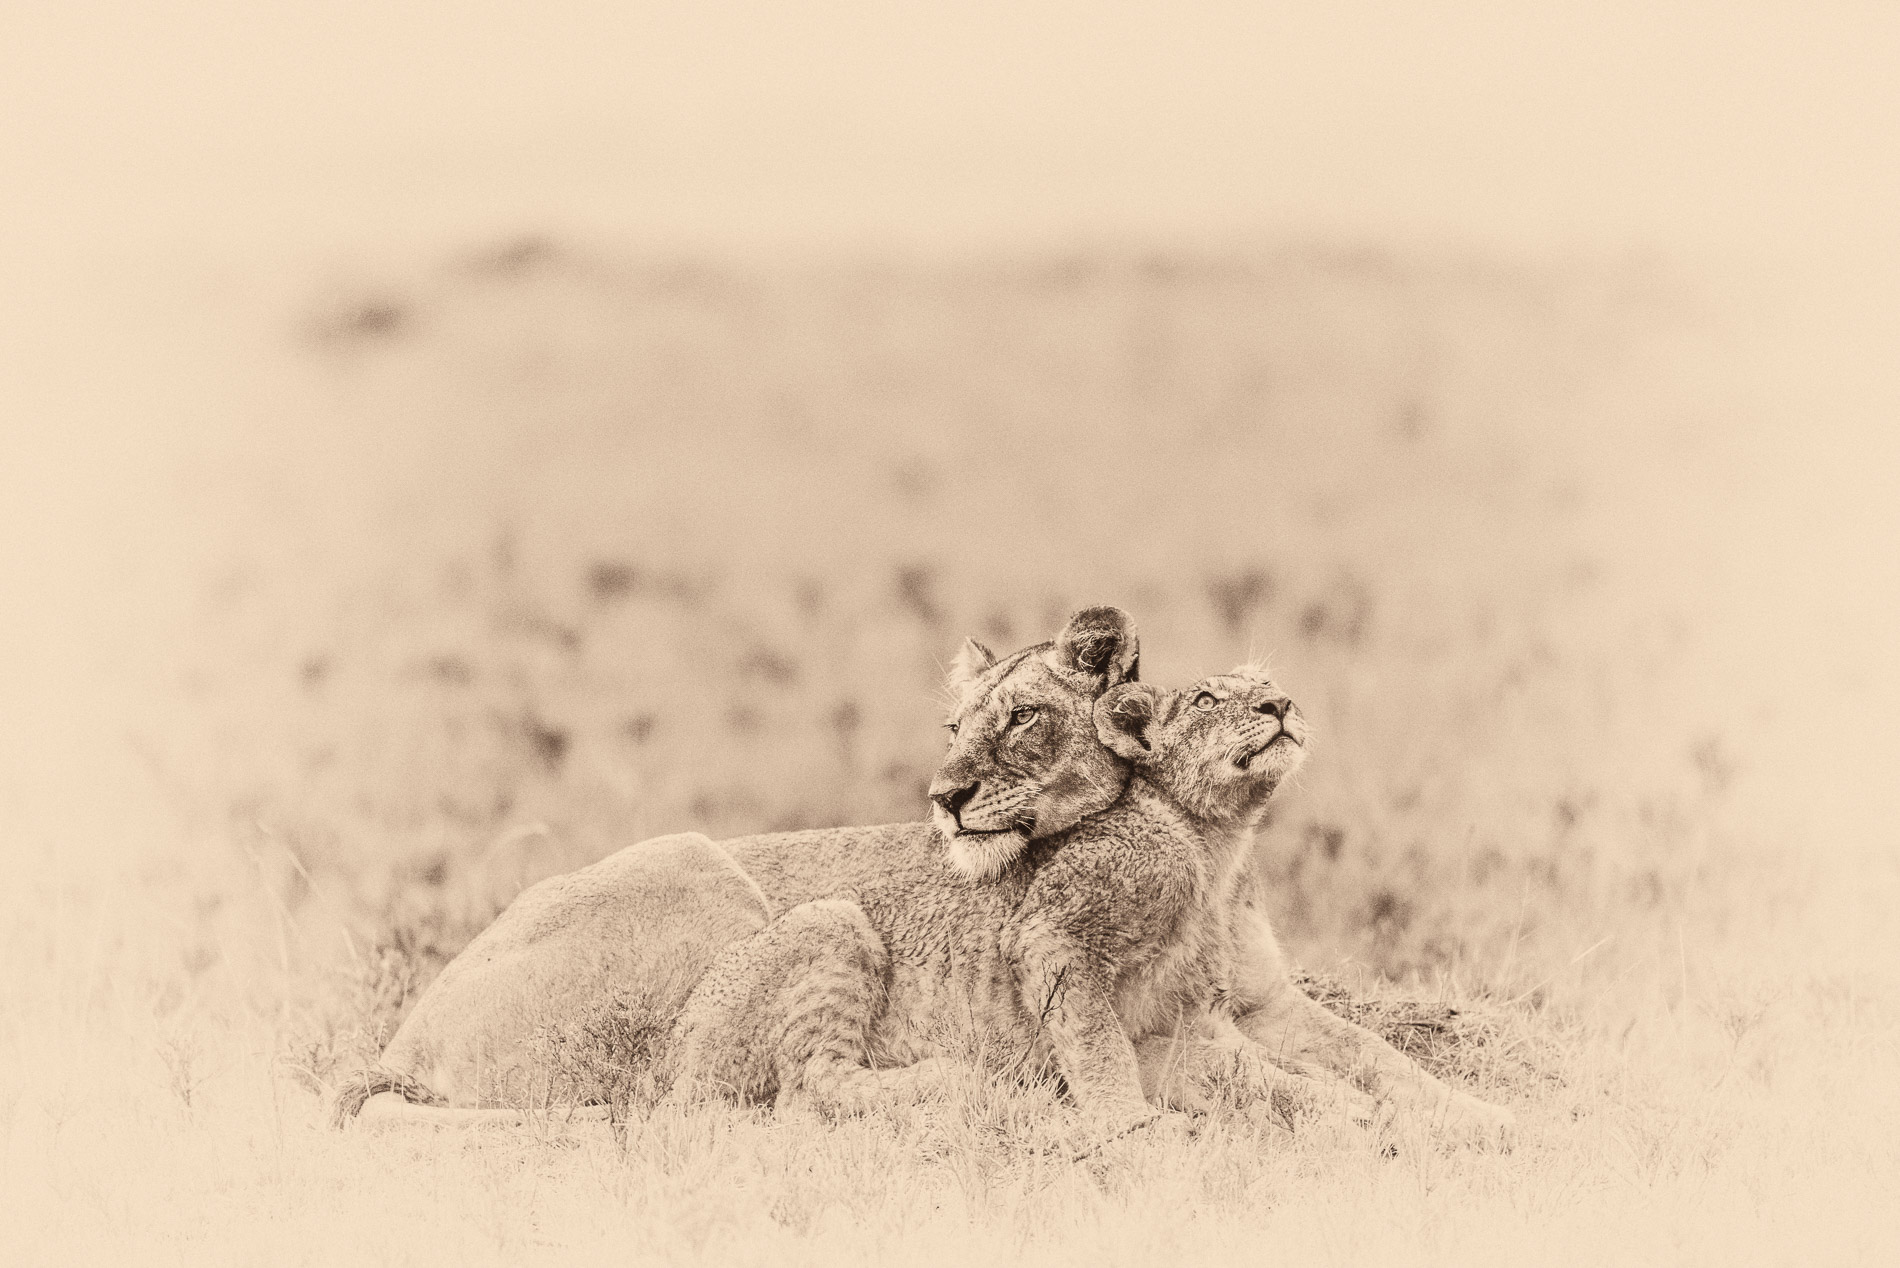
(953, 800)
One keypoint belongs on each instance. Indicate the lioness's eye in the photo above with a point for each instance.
(1205, 701)
(1021, 715)
(950, 727)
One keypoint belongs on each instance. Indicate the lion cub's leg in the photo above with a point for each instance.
(1299, 1034)
(1063, 986)
(788, 1012)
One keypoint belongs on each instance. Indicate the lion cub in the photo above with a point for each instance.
(1125, 932)
(1121, 936)
(1137, 958)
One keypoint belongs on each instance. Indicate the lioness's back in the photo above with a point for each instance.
(651, 916)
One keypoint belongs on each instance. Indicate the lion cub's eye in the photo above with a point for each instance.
(1022, 715)
(950, 727)
(1205, 701)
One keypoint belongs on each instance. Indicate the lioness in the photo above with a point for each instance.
(1024, 765)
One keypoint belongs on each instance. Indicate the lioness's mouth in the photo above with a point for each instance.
(1019, 829)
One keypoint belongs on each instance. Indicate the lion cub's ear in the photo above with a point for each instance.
(1124, 718)
(969, 663)
(1100, 642)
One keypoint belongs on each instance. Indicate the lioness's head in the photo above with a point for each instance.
(1219, 748)
(1024, 758)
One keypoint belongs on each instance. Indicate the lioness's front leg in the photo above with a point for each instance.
(1299, 1034)
(788, 1013)
(1207, 1063)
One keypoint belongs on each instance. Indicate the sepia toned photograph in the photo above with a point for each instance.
(848, 634)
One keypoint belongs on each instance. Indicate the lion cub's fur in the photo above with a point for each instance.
(1125, 953)
(1124, 934)
(1113, 932)
(1199, 980)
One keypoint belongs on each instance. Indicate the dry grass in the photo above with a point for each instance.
(555, 551)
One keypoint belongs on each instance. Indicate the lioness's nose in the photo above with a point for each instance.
(954, 800)
(1275, 708)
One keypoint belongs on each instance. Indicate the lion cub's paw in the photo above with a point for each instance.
(1110, 1122)
(1298, 1103)
(1357, 1108)
(1149, 1126)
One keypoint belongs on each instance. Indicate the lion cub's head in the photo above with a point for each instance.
(1024, 758)
(1219, 748)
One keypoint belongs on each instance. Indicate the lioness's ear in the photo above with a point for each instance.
(1100, 642)
(1123, 717)
(969, 662)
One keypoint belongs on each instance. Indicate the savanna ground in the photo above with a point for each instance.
(539, 550)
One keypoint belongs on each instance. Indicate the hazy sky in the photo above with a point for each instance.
(1607, 124)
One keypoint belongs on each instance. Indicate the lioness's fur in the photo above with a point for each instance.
(649, 919)
(470, 1033)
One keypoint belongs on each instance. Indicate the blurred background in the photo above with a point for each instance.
(440, 444)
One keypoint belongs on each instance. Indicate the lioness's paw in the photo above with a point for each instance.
(1479, 1122)
(1189, 1097)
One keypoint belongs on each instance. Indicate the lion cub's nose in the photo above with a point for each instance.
(954, 800)
(1275, 708)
